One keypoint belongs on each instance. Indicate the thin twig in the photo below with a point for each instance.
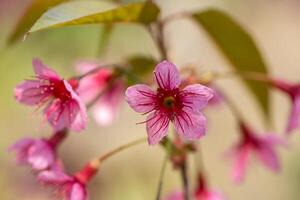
(185, 180)
(161, 177)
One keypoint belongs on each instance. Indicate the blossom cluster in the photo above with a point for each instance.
(174, 100)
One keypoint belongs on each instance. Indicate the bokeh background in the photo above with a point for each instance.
(133, 174)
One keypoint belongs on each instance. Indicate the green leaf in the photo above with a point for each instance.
(34, 11)
(72, 13)
(141, 65)
(238, 46)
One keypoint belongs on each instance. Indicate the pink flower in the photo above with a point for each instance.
(38, 153)
(64, 108)
(263, 147)
(293, 90)
(96, 85)
(169, 103)
(202, 192)
(69, 187)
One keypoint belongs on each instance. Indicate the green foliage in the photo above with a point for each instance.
(34, 11)
(91, 12)
(238, 46)
(141, 65)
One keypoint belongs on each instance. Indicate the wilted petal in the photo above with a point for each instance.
(157, 126)
(294, 118)
(167, 75)
(190, 125)
(196, 96)
(141, 98)
(31, 92)
(42, 71)
(77, 192)
(41, 155)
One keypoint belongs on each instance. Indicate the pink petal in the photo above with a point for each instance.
(77, 192)
(175, 195)
(294, 118)
(157, 126)
(43, 71)
(196, 96)
(54, 176)
(107, 107)
(92, 85)
(190, 125)
(240, 157)
(31, 92)
(217, 97)
(70, 114)
(268, 156)
(141, 98)
(41, 155)
(273, 140)
(212, 195)
(167, 75)
(86, 66)
(21, 149)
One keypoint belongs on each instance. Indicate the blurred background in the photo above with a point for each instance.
(134, 174)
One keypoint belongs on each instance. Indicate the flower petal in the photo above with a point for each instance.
(106, 108)
(294, 119)
(240, 156)
(167, 75)
(70, 114)
(31, 92)
(196, 96)
(157, 126)
(53, 176)
(91, 85)
(42, 71)
(190, 125)
(212, 195)
(77, 192)
(141, 98)
(175, 195)
(21, 149)
(268, 156)
(41, 155)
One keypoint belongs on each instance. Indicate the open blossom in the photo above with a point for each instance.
(263, 147)
(202, 192)
(70, 187)
(38, 153)
(105, 109)
(64, 108)
(170, 103)
(293, 90)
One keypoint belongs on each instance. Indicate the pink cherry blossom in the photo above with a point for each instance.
(64, 108)
(70, 187)
(293, 91)
(263, 147)
(105, 109)
(38, 153)
(169, 103)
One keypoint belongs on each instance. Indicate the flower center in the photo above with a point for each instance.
(169, 102)
(59, 90)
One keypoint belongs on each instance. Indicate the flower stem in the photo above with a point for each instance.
(161, 177)
(58, 137)
(107, 155)
(185, 181)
